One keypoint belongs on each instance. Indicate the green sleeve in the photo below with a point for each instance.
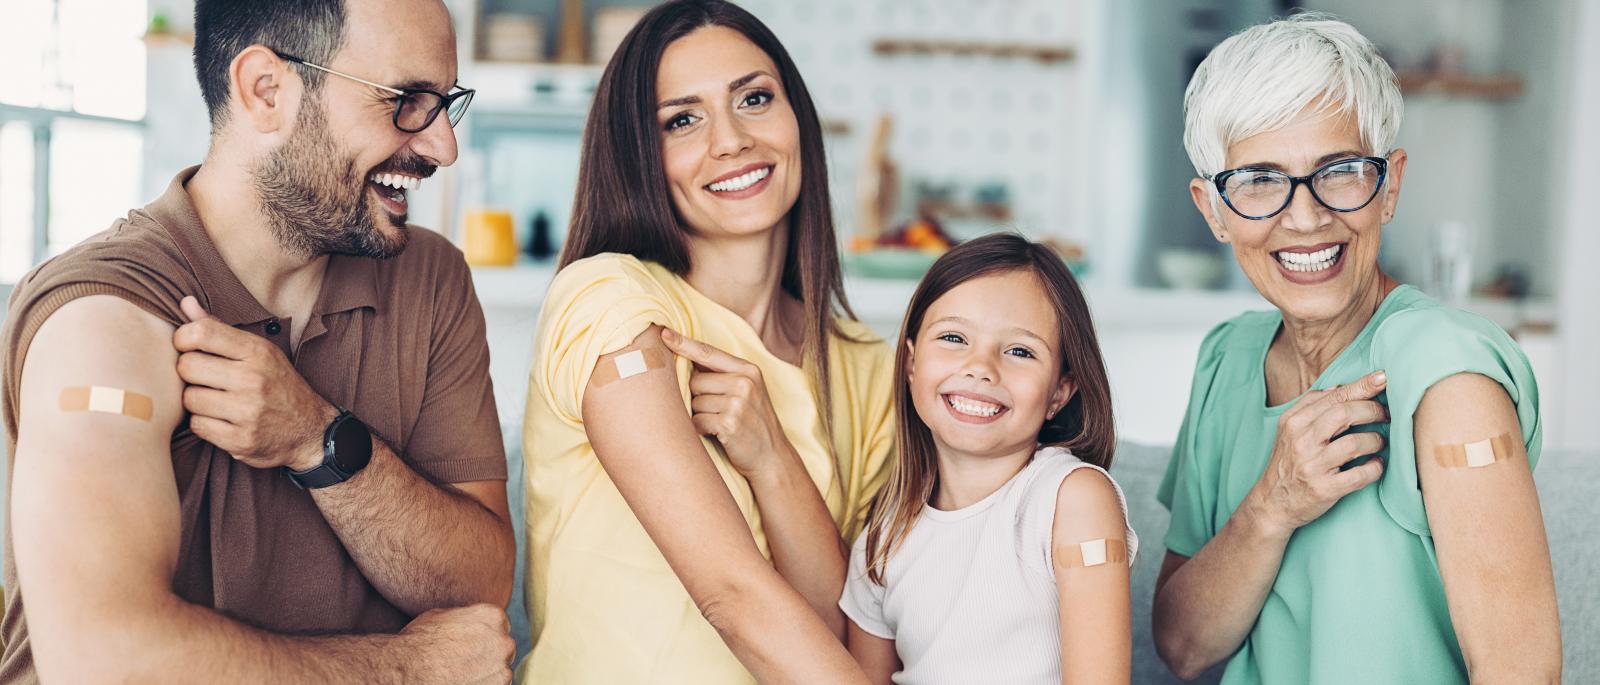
(1420, 347)
(1184, 489)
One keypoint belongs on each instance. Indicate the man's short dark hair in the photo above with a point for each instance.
(309, 29)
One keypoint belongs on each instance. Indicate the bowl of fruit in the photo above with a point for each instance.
(905, 252)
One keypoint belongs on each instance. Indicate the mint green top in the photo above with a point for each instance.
(1358, 598)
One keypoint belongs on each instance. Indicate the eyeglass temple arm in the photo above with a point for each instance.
(357, 79)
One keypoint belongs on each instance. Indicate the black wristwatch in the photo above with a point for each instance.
(346, 449)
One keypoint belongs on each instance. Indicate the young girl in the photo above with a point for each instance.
(999, 551)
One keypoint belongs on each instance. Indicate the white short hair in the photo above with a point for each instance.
(1262, 78)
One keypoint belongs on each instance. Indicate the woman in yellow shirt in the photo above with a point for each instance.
(703, 423)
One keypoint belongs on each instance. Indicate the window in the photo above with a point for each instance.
(72, 104)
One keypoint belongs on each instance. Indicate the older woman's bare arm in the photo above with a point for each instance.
(644, 439)
(1488, 531)
(1206, 606)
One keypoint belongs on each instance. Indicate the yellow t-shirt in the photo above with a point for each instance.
(604, 605)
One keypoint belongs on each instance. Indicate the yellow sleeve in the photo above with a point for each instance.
(873, 428)
(594, 307)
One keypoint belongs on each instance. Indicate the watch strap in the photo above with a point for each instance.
(328, 472)
(319, 477)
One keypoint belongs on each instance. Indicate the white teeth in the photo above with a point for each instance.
(740, 182)
(972, 407)
(1310, 261)
(397, 181)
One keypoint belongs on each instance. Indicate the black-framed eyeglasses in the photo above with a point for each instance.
(1343, 185)
(414, 108)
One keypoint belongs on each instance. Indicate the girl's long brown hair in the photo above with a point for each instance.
(1084, 426)
(622, 202)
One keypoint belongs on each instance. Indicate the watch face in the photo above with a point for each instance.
(352, 446)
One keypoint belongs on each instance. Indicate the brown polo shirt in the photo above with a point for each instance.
(398, 342)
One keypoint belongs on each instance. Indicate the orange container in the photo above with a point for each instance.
(489, 239)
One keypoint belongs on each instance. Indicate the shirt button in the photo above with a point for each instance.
(273, 327)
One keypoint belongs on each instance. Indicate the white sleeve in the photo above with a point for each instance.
(863, 599)
(1036, 519)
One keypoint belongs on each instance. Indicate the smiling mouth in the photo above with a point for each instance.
(1311, 262)
(740, 182)
(392, 189)
(968, 406)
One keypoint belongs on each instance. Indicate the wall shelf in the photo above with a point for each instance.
(1491, 87)
(183, 39)
(911, 46)
(538, 64)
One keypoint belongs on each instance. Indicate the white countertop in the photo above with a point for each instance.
(879, 301)
(1148, 337)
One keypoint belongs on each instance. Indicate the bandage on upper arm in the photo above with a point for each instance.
(625, 365)
(107, 400)
(1475, 454)
(1098, 552)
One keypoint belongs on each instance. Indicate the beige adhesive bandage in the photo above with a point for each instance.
(99, 398)
(627, 364)
(1093, 553)
(1475, 454)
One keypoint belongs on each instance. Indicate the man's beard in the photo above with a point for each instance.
(314, 201)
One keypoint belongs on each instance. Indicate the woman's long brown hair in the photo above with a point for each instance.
(622, 202)
(1084, 426)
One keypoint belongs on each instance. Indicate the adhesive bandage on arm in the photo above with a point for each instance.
(1475, 454)
(629, 364)
(106, 400)
(1092, 553)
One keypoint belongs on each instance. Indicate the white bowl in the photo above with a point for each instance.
(1189, 268)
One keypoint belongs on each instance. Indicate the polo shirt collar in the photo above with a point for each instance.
(348, 283)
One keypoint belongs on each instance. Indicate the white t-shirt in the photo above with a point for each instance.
(970, 596)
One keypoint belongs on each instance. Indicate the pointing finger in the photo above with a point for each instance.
(700, 353)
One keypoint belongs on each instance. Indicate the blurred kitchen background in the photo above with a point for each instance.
(944, 119)
(1059, 118)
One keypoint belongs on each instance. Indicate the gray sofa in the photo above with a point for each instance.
(1569, 487)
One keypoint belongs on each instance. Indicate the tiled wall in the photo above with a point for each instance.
(961, 119)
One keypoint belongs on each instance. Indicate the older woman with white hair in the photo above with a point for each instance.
(1351, 493)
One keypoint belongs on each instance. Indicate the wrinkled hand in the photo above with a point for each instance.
(1302, 479)
(245, 397)
(729, 402)
(459, 645)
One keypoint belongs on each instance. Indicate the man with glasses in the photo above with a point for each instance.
(252, 428)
